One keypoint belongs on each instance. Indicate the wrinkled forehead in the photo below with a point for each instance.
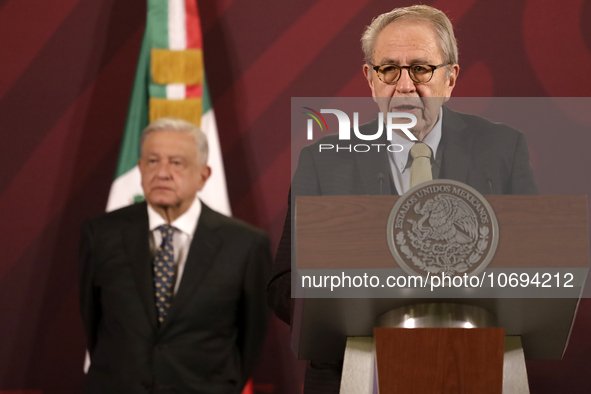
(414, 37)
(169, 142)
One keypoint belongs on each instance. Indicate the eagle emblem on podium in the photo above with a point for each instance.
(442, 227)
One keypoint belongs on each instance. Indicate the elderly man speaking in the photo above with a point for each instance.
(172, 293)
(411, 65)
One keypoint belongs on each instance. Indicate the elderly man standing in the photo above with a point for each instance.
(411, 65)
(172, 293)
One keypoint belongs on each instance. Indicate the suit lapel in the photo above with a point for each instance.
(374, 166)
(137, 246)
(202, 252)
(457, 143)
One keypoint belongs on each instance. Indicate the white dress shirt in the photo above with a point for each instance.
(399, 161)
(185, 226)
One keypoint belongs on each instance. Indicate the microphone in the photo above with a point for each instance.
(381, 179)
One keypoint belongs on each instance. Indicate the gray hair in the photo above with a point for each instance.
(438, 20)
(181, 126)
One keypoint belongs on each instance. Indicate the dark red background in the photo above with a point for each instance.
(66, 70)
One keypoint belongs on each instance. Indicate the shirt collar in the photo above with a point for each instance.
(432, 140)
(187, 222)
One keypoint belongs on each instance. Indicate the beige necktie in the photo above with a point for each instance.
(420, 171)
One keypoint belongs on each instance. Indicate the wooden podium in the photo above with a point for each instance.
(537, 234)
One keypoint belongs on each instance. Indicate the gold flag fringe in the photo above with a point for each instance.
(184, 67)
(188, 109)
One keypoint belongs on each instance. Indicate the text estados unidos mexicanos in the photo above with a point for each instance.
(490, 280)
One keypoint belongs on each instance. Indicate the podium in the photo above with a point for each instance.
(346, 236)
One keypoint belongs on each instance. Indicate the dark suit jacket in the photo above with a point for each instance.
(491, 157)
(215, 328)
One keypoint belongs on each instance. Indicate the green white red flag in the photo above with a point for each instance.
(169, 81)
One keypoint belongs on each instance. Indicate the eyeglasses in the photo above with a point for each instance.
(419, 73)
